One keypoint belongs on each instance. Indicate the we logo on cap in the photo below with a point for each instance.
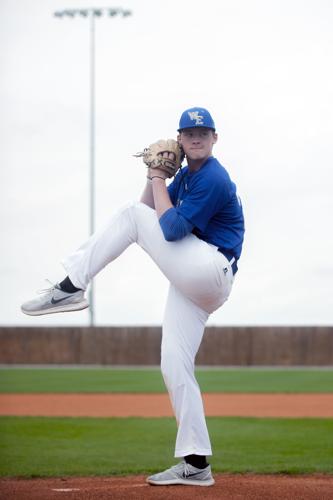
(196, 117)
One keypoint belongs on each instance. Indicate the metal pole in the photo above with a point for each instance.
(91, 13)
(92, 151)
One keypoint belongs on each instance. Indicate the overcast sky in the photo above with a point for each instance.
(264, 70)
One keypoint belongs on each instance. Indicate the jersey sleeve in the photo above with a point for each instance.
(174, 226)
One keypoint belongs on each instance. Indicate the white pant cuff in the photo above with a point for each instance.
(71, 276)
(191, 451)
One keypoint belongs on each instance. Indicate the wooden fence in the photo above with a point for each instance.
(226, 346)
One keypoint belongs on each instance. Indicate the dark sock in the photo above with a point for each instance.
(198, 461)
(67, 286)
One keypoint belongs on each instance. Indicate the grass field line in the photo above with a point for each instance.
(41, 446)
(149, 380)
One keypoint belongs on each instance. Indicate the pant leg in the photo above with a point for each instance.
(192, 265)
(183, 328)
(201, 280)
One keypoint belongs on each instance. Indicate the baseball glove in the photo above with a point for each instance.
(153, 156)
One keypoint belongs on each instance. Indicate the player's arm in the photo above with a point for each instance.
(174, 226)
(161, 196)
(166, 154)
(155, 193)
(147, 196)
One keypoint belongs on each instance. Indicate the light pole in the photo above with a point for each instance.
(91, 13)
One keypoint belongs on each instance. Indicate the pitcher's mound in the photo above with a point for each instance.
(227, 486)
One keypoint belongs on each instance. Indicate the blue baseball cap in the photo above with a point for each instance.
(196, 117)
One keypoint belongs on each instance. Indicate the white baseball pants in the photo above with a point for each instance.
(200, 281)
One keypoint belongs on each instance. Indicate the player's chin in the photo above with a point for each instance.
(195, 155)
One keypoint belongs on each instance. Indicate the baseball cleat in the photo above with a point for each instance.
(55, 300)
(183, 473)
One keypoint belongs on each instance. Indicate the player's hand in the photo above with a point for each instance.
(164, 156)
(161, 173)
(152, 172)
(169, 155)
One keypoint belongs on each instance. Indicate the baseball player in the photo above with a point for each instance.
(193, 230)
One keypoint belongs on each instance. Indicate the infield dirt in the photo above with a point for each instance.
(158, 405)
(227, 487)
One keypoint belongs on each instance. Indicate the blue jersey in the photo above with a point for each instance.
(208, 200)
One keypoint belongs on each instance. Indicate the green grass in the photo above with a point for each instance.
(88, 446)
(62, 380)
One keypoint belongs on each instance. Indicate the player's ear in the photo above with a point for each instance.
(215, 137)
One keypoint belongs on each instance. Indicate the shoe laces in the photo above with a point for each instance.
(186, 469)
(46, 290)
(183, 468)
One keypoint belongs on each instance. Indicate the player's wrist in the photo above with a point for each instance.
(157, 178)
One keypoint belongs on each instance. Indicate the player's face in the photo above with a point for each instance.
(197, 142)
